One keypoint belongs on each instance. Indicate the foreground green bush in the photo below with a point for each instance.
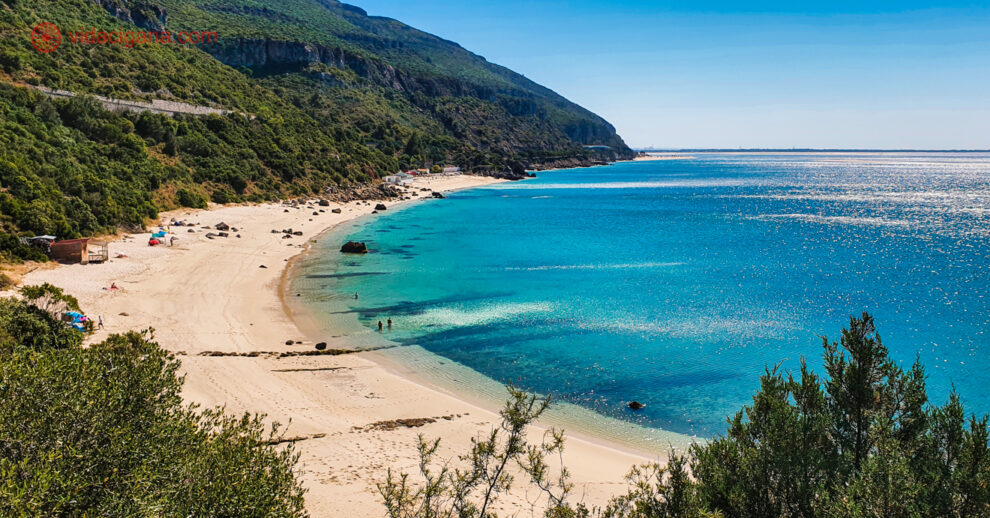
(103, 431)
(862, 442)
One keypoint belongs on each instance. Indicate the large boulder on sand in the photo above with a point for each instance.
(336, 211)
(381, 206)
(354, 247)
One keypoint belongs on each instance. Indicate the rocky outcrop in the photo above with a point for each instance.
(145, 15)
(379, 191)
(354, 247)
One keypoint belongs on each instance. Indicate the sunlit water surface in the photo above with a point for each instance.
(675, 283)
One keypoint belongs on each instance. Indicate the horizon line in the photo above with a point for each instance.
(804, 150)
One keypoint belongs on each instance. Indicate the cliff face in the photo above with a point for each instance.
(486, 106)
(149, 16)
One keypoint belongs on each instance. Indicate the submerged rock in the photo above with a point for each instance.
(635, 405)
(354, 247)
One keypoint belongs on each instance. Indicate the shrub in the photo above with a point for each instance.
(187, 198)
(221, 196)
(864, 441)
(103, 431)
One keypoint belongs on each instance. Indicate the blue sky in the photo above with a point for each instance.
(733, 74)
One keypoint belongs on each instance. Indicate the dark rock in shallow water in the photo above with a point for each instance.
(381, 206)
(354, 247)
(635, 405)
(438, 195)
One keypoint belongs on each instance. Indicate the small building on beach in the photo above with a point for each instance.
(400, 179)
(83, 251)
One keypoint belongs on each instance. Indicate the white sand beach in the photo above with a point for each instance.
(223, 295)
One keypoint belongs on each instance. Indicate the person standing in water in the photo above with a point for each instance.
(379, 326)
(355, 295)
(389, 324)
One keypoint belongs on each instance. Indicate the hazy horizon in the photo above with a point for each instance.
(649, 149)
(878, 75)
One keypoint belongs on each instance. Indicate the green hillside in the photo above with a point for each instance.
(324, 94)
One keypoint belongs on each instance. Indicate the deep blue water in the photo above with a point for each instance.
(675, 283)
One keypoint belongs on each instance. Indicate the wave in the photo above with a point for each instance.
(447, 317)
(896, 197)
(626, 266)
(700, 327)
(841, 220)
(727, 182)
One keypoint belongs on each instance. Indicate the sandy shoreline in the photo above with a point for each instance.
(224, 295)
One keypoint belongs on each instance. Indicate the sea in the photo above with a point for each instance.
(676, 283)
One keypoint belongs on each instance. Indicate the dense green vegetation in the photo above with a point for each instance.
(102, 430)
(373, 97)
(70, 168)
(401, 73)
(864, 441)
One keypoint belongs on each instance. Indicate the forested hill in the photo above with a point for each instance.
(314, 93)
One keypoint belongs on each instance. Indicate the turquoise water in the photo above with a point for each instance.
(675, 283)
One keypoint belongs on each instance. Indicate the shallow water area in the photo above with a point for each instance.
(674, 283)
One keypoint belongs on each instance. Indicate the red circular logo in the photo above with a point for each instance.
(46, 37)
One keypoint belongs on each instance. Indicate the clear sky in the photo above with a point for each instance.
(840, 74)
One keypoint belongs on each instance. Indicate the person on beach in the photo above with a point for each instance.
(355, 295)
(379, 326)
(390, 324)
(99, 322)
